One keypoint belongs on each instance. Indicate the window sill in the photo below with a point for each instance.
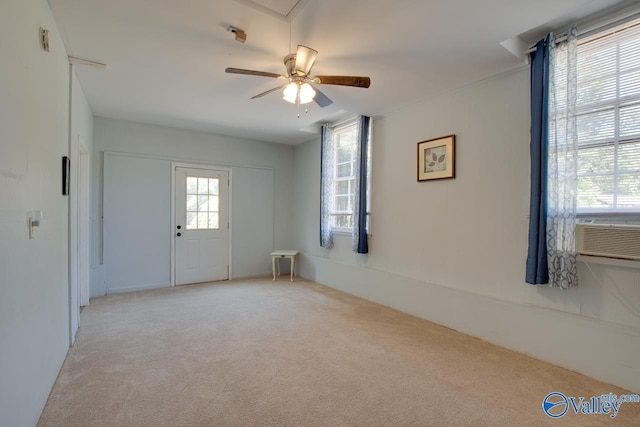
(346, 233)
(628, 263)
(608, 217)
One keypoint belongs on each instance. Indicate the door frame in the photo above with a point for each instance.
(83, 225)
(205, 166)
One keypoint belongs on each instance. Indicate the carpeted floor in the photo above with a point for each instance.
(263, 353)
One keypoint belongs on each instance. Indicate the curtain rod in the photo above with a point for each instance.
(596, 26)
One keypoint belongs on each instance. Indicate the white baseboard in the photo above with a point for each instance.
(252, 276)
(603, 350)
(138, 288)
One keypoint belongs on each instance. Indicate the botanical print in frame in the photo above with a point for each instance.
(436, 158)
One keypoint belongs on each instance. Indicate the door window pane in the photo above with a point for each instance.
(213, 204)
(192, 203)
(192, 223)
(213, 186)
(203, 185)
(192, 185)
(214, 221)
(203, 221)
(202, 203)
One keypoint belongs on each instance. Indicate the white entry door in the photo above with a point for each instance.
(202, 225)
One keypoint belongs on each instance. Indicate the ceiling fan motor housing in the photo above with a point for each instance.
(290, 63)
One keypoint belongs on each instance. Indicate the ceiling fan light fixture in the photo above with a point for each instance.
(298, 93)
(290, 93)
(306, 93)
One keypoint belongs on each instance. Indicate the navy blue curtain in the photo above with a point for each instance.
(363, 244)
(537, 267)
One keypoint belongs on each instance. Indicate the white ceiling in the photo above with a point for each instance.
(166, 58)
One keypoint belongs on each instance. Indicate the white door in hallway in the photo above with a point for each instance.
(201, 225)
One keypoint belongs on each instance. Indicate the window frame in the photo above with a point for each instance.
(344, 126)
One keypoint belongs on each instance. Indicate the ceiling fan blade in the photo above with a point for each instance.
(356, 81)
(305, 57)
(252, 72)
(321, 99)
(260, 95)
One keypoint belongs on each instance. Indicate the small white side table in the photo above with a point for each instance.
(278, 255)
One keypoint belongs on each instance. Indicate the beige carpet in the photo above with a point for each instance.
(259, 353)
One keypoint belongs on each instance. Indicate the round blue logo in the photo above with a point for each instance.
(555, 404)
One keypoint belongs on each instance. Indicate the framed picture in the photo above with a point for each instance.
(66, 175)
(436, 158)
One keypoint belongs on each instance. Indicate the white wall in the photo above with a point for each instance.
(251, 163)
(137, 222)
(453, 251)
(34, 282)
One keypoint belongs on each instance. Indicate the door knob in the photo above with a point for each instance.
(179, 234)
(179, 227)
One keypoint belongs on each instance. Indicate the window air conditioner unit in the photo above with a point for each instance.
(608, 240)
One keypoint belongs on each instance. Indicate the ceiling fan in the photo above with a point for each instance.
(300, 87)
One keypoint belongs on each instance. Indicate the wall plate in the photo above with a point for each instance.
(44, 39)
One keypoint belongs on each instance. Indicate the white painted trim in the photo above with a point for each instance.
(187, 161)
(230, 230)
(84, 163)
(551, 335)
(293, 12)
(70, 222)
(81, 61)
(628, 263)
(138, 288)
(266, 274)
(273, 210)
(172, 251)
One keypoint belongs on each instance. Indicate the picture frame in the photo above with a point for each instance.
(66, 175)
(436, 158)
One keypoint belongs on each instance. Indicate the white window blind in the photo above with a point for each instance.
(608, 121)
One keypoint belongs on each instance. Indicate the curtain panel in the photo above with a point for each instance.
(360, 242)
(562, 162)
(537, 268)
(327, 165)
(554, 159)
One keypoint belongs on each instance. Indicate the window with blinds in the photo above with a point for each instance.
(608, 121)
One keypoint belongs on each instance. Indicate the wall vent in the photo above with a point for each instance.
(608, 240)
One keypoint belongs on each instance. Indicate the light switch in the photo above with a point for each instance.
(33, 220)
